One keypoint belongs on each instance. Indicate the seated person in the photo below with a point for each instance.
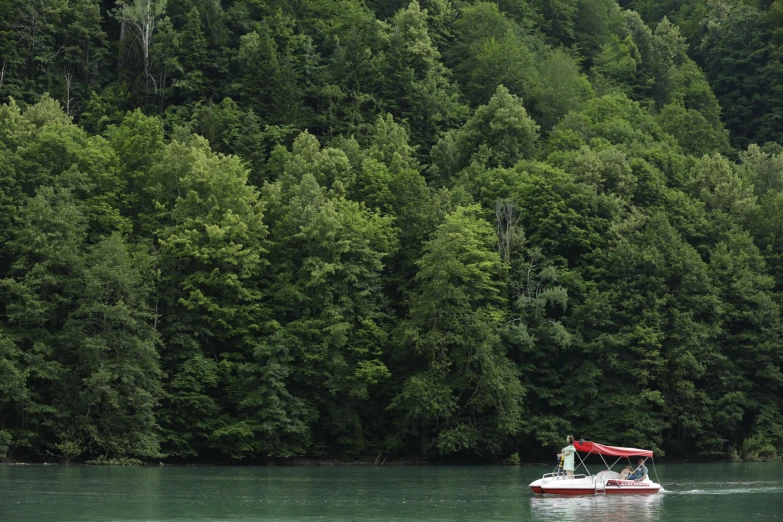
(640, 473)
(624, 473)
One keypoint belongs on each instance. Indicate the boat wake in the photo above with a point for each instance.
(727, 491)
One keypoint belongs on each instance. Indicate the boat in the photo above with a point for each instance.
(606, 482)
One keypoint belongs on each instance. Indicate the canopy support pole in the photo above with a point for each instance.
(607, 465)
(656, 471)
(583, 463)
(615, 462)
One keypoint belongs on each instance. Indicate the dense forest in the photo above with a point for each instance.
(346, 229)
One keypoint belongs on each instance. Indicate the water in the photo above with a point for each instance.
(713, 492)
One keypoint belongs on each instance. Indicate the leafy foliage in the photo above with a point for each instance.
(352, 228)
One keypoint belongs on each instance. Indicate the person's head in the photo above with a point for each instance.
(628, 468)
(570, 439)
(641, 461)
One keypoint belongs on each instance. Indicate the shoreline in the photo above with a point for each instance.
(304, 462)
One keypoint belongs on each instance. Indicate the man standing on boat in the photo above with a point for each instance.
(568, 452)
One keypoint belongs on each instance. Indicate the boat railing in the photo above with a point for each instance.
(563, 476)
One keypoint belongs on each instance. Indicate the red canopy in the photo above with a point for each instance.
(614, 451)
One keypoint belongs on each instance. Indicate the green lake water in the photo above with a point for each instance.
(713, 492)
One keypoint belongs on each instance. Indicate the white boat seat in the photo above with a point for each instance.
(605, 475)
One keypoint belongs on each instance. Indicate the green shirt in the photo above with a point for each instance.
(568, 464)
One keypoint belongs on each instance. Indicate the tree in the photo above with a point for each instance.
(537, 341)
(490, 50)
(29, 40)
(390, 144)
(137, 141)
(413, 76)
(761, 170)
(616, 119)
(750, 379)
(617, 64)
(746, 89)
(606, 168)
(15, 395)
(693, 132)
(47, 243)
(193, 58)
(652, 314)
(715, 181)
(272, 82)
(142, 17)
(330, 333)
(84, 50)
(348, 94)
(44, 149)
(211, 234)
(498, 134)
(559, 19)
(107, 400)
(560, 88)
(595, 24)
(465, 396)
(766, 231)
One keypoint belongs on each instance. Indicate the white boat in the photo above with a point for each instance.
(606, 482)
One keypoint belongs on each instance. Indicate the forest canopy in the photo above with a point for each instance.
(346, 229)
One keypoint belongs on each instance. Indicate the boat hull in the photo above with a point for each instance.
(587, 486)
(633, 491)
(536, 486)
(571, 491)
(630, 487)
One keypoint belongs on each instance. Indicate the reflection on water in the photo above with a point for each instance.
(597, 507)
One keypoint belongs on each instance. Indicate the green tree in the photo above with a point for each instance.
(537, 341)
(465, 396)
(84, 52)
(44, 149)
(330, 330)
(107, 398)
(47, 244)
(715, 181)
(606, 168)
(137, 141)
(559, 19)
(193, 58)
(413, 76)
(559, 89)
(29, 39)
(762, 170)
(739, 60)
(616, 66)
(211, 239)
(651, 313)
(766, 228)
(595, 24)
(749, 379)
(693, 132)
(498, 134)
(272, 83)
(490, 50)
